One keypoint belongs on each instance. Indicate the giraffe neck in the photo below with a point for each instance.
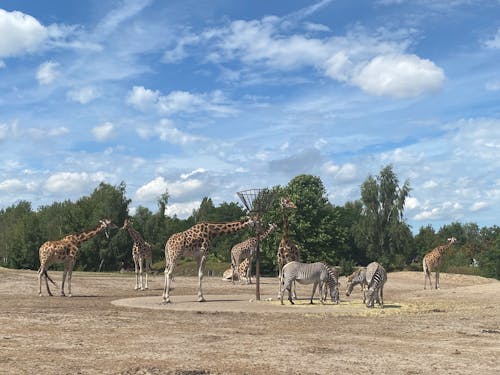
(266, 233)
(443, 249)
(284, 219)
(136, 237)
(86, 235)
(217, 229)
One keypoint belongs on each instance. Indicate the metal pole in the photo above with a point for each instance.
(257, 263)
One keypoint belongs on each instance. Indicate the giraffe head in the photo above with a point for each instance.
(127, 224)
(286, 202)
(106, 224)
(451, 240)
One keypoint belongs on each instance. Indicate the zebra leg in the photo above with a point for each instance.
(314, 290)
(381, 301)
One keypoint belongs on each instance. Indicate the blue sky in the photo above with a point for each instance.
(207, 98)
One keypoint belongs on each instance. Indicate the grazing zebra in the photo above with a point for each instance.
(326, 287)
(376, 278)
(309, 273)
(357, 277)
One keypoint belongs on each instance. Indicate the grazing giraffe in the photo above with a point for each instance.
(247, 250)
(432, 261)
(287, 250)
(141, 253)
(242, 270)
(195, 242)
(65, 251)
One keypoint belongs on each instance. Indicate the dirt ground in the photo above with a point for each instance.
(108, 328)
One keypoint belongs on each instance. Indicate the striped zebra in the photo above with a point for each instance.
(357, 277)
(309, 273)
(326, 287)
(376, 276)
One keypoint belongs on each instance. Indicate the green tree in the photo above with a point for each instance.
(382, 229)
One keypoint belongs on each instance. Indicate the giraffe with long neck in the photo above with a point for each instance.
(195, 242)
(287, 250)
(141, 254)
(246, 250)
(65, 251)
(432, 261)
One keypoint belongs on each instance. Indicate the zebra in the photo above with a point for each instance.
(309, 273)
(357, 277)
(376, 276)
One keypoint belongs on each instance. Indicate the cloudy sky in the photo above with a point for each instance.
(206, 98)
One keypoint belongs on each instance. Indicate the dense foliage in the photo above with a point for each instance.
(372, 228)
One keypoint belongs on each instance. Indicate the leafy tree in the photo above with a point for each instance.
(382, 229)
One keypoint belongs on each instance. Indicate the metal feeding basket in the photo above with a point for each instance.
(257, 201)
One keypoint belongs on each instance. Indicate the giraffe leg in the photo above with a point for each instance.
(249, 271)
(65, 272)
(169, 269)
(141, 273)
(40, 275)
(437, 279)
(136, 266)
(70, 275)
(201, 264)
(148, 270)
(280, 276)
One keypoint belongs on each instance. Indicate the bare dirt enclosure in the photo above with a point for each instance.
(108, 328)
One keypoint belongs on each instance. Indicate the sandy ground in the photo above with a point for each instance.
(108, 328)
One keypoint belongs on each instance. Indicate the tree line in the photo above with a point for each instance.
(370, 228)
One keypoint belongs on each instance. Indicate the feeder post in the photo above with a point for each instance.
(256, 201)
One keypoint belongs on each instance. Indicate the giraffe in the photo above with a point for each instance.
(246, 250)
(65, 251)
(242, 270)
(195, 242)
(141, 253)
(432, 261)
(287, 250)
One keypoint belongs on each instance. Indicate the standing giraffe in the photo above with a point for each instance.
(287, 250)
(65, 251)
(141, 253)
(195, 242)
(246, 250)
(432, 261)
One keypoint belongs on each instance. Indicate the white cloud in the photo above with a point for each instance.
(400, 76)
(177, 189)
(83, 95)
(47, 72)
(411, 203)
(494, 43)
(179, 102)
(183, 209)
(430, 184)
(103, 132)
(345, 173)
(12, 184)
(477, 206)
(493, 86)
(142, 98)
(193, 173)
(167, 132)
(72, 182)
(20, 33)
